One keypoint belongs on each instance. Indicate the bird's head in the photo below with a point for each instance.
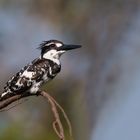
(53, 49)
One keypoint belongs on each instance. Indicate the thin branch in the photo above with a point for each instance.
(8, 101)
(64, 114)
(19, 103)
(57, 124)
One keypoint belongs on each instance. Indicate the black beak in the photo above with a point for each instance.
(69, 47)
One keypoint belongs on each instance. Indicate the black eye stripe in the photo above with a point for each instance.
(52, 45)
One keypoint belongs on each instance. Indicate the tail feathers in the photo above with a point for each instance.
(5, 95)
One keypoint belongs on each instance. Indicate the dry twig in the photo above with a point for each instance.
(57, 124)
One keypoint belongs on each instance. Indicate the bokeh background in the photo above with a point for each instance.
(99, 85)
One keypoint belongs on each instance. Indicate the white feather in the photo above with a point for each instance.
(58, 44)
(3, 94)
(53, 55)
(35, 87)
(28, 74)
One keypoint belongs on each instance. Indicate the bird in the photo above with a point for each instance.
(41, 70)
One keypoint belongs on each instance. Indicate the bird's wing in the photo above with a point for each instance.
(19, 83)
(26, 77)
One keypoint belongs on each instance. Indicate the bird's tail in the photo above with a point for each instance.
(5, 95)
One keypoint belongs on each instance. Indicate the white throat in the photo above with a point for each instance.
(53, 55)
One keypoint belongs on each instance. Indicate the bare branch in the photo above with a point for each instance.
(57, 124)
(12, 99)
(64, 114)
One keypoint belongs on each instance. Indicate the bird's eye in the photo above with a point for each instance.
(52, 46)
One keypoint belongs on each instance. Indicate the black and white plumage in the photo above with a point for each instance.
(39, 71)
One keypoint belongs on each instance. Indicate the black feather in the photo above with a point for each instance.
(47, 45)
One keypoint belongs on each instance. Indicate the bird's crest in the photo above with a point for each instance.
(46, 44)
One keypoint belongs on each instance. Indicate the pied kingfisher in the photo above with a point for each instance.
(42, 69)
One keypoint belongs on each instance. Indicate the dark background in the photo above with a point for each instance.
(99, 84)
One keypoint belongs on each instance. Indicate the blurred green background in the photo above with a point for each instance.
(109, 32)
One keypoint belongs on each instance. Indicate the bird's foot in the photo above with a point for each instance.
(38, 92)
